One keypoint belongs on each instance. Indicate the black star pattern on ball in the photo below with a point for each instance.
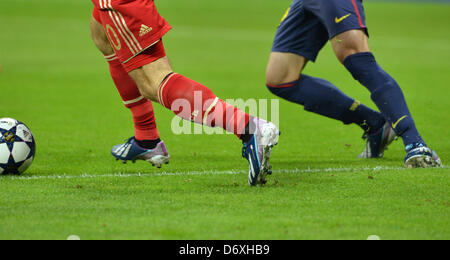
(10, 138)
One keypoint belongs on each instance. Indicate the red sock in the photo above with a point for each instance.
(141, 108)
(194, 102)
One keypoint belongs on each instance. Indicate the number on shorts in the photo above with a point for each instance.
(112, 35)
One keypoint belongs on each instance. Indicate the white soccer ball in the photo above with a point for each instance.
(17, 147)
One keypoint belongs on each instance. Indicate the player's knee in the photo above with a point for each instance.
(350, 48)
(349, 43)
(284, 68)
(273, 80)
(147, 87)
(150, 77)
(283, 88)
(343, 53)
(276, 77)
(273, 83)
(149, 91)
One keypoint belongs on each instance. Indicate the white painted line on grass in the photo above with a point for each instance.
(228, 172)
(373, 237)
(73, 237)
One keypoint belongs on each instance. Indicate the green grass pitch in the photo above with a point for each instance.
(53, 79)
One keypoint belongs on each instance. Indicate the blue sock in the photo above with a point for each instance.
(386, 94)
(321, 97)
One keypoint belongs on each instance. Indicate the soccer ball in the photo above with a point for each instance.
(17, 147)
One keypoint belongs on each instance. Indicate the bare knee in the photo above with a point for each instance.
(349, 43)
(149, 77)
(100, 38)
(284, 68)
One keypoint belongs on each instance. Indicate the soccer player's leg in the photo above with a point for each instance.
(299, 39)
(349, 38)
(146, 144)
(137, 40)
(195, 102)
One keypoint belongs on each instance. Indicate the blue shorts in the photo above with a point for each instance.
(309, 24)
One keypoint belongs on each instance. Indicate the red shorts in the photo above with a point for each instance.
(134, 28)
